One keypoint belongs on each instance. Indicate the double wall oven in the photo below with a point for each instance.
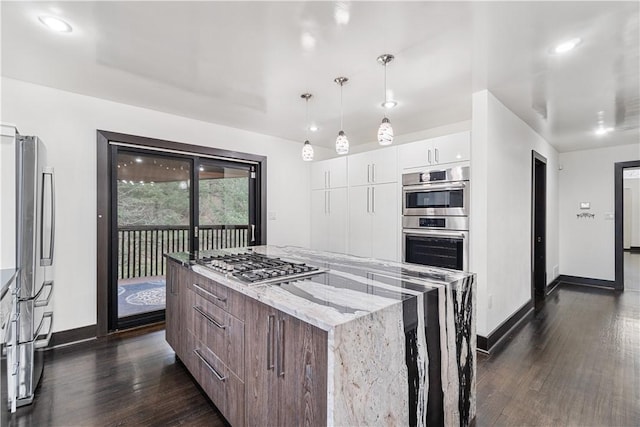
(435, 217)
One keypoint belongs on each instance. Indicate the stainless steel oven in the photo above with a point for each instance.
(436, 241)
(436, 192)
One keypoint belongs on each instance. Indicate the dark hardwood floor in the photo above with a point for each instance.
(576, 362)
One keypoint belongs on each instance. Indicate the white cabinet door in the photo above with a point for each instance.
(436, 151)
(360, 221)
(337, 224)
(385, 207)
(319, 220)
(373, 167)
(414, 154)
(330, 173)
(452, 148)
(359, 167)
(337, 169)
(384, 164)
(319, 175)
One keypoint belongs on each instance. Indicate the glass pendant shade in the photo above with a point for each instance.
(342, 143)
(307, 152)
(385, 132)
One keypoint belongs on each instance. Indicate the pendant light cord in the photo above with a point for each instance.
(341, 110)
(385, 90)
(307, 119)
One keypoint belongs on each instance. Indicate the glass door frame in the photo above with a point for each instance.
(115, 321)
(107, 238)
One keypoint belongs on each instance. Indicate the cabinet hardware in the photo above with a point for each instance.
(280, 369)
(368, 199)
(211, 368)
(368, 173)
(325, 202)
(329, 180)
(437, 157)
(253, 232)
(325, 179)
(270, 320)
(373, 172)
(329, 204)
(208, 317)
(195, 285)
(429, 156)
(195, 231)
(373, 200)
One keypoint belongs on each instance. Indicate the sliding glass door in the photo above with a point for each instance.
(165, 202)
(226, 206)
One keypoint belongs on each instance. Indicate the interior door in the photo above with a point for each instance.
(539, 229)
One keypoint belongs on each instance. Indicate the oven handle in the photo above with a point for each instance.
(437, 233)
(428, 186)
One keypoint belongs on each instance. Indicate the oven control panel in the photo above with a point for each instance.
(433, 222)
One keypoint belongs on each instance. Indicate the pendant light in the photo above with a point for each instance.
(385, 131)
(307, 149)
(342, 143)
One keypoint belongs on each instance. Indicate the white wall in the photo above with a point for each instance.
(587, 245)
(633, 199)
(500, 216)
(67, 123)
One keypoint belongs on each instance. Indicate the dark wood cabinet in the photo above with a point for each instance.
(286, 369)
(173, 310)
(258, 365)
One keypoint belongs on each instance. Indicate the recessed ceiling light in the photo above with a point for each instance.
(566, 46)
(603, 130)
(389, 104)
(55, 24)
(313, 128)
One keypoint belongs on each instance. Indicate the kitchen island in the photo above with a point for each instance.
(356, 342)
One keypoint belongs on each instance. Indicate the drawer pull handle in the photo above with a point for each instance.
(211, 368)
(270, 324)
(209, 293)
(208, 317)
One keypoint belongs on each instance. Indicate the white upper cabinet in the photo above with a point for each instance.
(373, 167)
(330, 173)
(436, 151)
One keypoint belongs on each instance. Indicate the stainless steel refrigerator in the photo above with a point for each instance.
(35, 217)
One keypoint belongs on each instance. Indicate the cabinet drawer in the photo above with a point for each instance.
(224, 388)
(220, 295)
(218, 330)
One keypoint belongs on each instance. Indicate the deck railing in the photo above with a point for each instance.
(141, 248)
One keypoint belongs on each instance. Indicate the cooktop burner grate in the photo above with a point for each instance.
(252, 268)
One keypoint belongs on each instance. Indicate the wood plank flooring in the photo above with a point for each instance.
(576, 363)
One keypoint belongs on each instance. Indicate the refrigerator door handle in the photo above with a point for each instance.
(45, 302)
(47, 180)
(41, 343)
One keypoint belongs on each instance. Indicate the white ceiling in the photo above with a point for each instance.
(243, 64)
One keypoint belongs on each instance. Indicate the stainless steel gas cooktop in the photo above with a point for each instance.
(256, 269)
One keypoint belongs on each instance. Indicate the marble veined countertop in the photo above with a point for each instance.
(351, 288)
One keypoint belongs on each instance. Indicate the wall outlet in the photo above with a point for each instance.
(490, 301)
(272, 216)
